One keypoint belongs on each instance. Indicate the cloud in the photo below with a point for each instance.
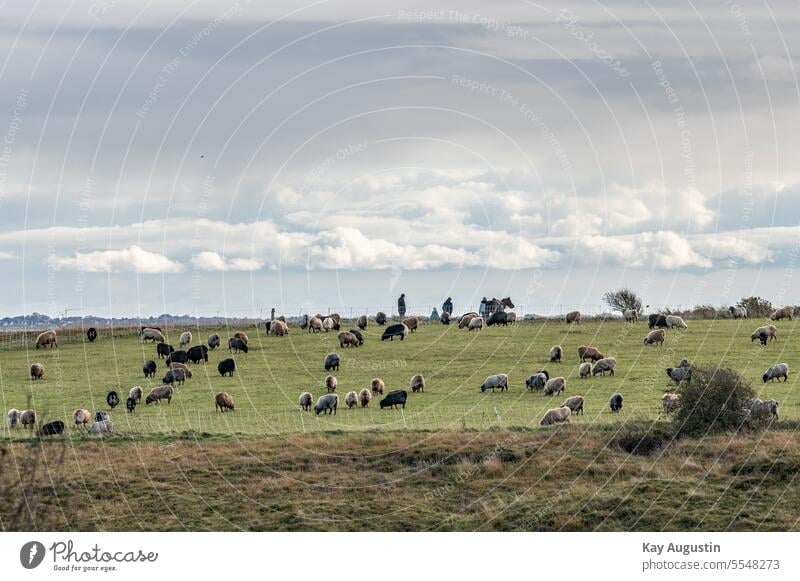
(7, 255)
(132, 259)
(663, 250)
(213, 261)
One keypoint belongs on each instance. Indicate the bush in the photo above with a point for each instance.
(756, 307)
(623, 299)
(712, 401)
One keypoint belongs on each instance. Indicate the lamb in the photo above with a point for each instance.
(586, 352)
(738, 312)
(278, 329)
(396, 330)
(380, 318)
(584, 370)
(556, 416)
(784, 313)
(555, 353)
(351, 399)
(149, 369)
(332, 361)
(27, 418)
(12, 418)
(770, 332)
(327, 404)
(555, 386)
(51, 429)
(314, 325)
(574, 403)
(631, 315)
(364, 397)
(476, 324)
(675, 321)
(197, 354)
(174, 376)
(605, 364)
(164, 350)
(362, 322)
(347, 339)
(615, 402)
(573, 317)
(328, 324)
(537, 380)
(102, 427)
(46, 339)
(463, 322)
(331, 383)
(678, 374)
(417, 383)
(670, 402)
(81, 416)
(159, 393)
(226, 367)
(150, 334)
(136, 393)
(235, 345)
(654, 337)
(496, 381)
(37, 371)
(377, 386)
(776, 372)
(214, 340)
(186, 339)
(243, 336)
(223, 402)
(306, 401)
(412, 323)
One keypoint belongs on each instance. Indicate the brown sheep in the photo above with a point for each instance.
(364, 397)
(573, 317)
(654, 337)
(223, 402)
(465, 319)
(159, 393)
(331, 383)
(37, 371)
(768, 331)
(417, 383)
(278, 329)
(605, 364)
(412, 323)
(555, 386)
(586, 352)
(784, 313)
(81, 416)
(351, 399)
(574, 403)
(243, 336)
(306, 401)
(377, 386)
(27, 418)
(347, 339)
(362, 322)
(46, 339)
(475, 324)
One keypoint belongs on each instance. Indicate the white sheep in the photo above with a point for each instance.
(186, 338)
(574, 403)
(327, 404)
(12, 417)
(153, 335)
(328, 324)
(136, 393)
(604, 365)
(585, 370)
(738, 312)
(556, 416)
(476, 324)
(670, 402)
(555, 386)
(631, 315)
(496, 381)
(351, 399)
(776, 372)
(675, 321)
(81, 416)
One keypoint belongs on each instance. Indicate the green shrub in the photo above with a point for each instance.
(712, 401)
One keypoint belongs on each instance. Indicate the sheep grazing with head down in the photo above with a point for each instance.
(765, 333)
(347, 339)
(235, 345)
(314, 325)
(412, 323)
(149, 369)
(150, 334)
(573, 317)
(556, 416)
(537, 380)
(214, 340)
(46, 339)
(37, 371)
(279, 329)
(226, 367)
(784, 313)
(185, 339)
(306, 401)
(51, 429)
(359, 335)
(555, 386)
(465, 319)
(364, 397)
(223, 402)
(328, 324)
(380, 318)
(81, 416)
(332, 362)
(331, 383)
(362, 322)
(615, 402)
(675, 321)
(417, 383)
(377, 386)
(475, 324)
(496, 381)
(762, 410)
(555, 354)
(164, 350)
(678, 374)
(654, 337)
(657, 321)
(159, 393)
(327, 404)
(396, 330)
(102, 427)
(584, 370)
(738, 312)
(243, 336)
(174, 376)
(587, 352)
(136, 393)
(12, 417)
(670, 402)
(351, 399)
(27, 418)
(605, 365)
(776, 372)
(574, 403)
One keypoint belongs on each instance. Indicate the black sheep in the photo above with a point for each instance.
(226, 367)
(179, 356)
(395, 398)
(164, 350)
(112, 399)
(359, 335)
(91, 334)
(235, 345)
(332, 362)
(52, 428)
(396, 330)
(615, 403)
(497, 318)
(131, 405)
(657, 321)
(198, 353)
(149, 369)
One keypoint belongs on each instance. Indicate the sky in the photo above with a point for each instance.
(210, 157)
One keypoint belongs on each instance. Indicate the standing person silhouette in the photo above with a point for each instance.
(401, 305)
(447, 306)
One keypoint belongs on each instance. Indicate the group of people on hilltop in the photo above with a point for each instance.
(447, 306)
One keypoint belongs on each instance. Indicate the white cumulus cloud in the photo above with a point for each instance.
(132, 259)
(213, 261)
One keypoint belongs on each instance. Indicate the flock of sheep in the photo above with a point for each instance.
(592, 362)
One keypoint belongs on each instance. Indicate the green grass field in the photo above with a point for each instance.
(454, 362)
